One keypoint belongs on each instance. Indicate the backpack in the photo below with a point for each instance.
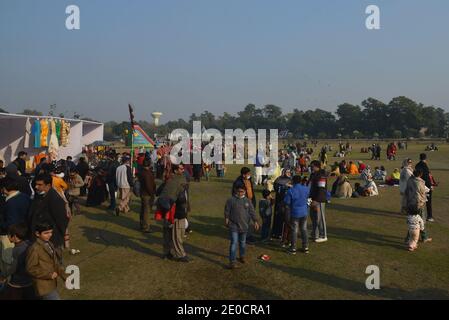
(136, 188)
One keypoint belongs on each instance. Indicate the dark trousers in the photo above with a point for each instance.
(112, 189)
(83, 191)
(278, 222)
(429, 205)
(11, 293)
(266, 226)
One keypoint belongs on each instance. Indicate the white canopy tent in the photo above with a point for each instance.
(13, 132)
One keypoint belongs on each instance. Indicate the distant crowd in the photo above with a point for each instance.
(36, 206)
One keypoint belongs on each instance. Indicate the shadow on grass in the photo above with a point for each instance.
(359, 287)
(366, 237)
(209, 226)
(124, 220)
(361, 210)
(201, 253)
(257, 293)
(114, 239)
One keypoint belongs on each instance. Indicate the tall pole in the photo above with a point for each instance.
(131, 117)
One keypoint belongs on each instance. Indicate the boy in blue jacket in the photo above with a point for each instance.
(296, 200)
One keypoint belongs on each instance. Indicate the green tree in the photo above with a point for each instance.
(350, 117)
(31, 112)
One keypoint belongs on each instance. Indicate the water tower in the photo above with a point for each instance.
(156, 116)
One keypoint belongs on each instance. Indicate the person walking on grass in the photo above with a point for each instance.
(111, 180)
(296, 201)
(406, 173)
(424, 167)
(124, 178)
(415, 194)
(147, 192)
(318, 193)
(239, 213)
(174, 199)
(48, 206)
(75, 185)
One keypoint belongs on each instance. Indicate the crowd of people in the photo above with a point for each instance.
(36, 207)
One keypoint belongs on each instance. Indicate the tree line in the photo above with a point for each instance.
(400, 118)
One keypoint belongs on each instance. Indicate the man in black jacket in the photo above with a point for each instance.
(83, 168)
(20, 163)
(318, 193)
(111, 181)
(48, 206)
(422, 165)
(24, 186)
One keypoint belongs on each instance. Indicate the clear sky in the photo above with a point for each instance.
(185, 56)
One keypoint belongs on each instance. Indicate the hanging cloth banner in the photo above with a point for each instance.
(26, 142)
(44, 132)
(37, 133)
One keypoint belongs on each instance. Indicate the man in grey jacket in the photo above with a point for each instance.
(239, 212)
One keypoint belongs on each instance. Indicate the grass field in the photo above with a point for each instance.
(119, 262)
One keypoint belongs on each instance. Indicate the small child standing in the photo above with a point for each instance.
(43, 263)
(239, 212)
(265, 212)
(19, 286)
(75, 185)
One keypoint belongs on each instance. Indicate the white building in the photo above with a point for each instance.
(13, 132)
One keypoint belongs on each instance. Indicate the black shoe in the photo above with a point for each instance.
(305, 250)
(147, 231)
(291, 251)
(117, 212)
(168, 256)
(183, 259)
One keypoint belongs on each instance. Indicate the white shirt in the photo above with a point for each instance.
(121, 176)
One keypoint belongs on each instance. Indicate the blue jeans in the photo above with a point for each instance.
(297, 224)
(239, 237)
(51, 296)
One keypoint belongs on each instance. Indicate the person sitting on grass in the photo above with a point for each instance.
(362, 166)
(352, 168)
(344, 189)
(343, 167)
(43, 263)
(380, 174)
(371, 187)
(266, 214)
(335, 170)
(239, 212)
(20, 285)
(359, 191)
(394, 178)
(296, 201)
(365, 173)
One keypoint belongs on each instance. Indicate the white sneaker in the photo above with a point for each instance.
(321, 240)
